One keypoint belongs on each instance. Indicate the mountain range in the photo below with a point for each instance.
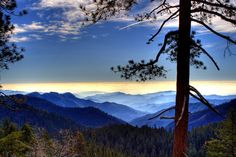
(157, 122)
(56, 111)
(21, 113)
(69, 100)
(152, 102)
(87, 116)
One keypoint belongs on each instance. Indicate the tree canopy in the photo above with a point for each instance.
(9, 52)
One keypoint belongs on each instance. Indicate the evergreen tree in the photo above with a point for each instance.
(179, 45)
(9, 52)
(15, 142)
(225, 143)
(27, 134)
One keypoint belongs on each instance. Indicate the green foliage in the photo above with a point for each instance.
(143, 71)
(15, 142)
(13, 146)
(133, 141)
(110, 141)
(224, 145)
(27, 134)
(9, 52)
(95, 150)
(197, 138)
(147, 142)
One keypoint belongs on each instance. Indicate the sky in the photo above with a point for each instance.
(60, 50)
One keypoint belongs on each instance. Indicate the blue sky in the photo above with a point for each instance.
(59, 50)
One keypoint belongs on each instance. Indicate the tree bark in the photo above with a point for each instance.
(182, 85)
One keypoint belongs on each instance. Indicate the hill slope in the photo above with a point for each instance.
(89, 116)
(23, 113)
(157, 122)
(69, 100)
(207, 116)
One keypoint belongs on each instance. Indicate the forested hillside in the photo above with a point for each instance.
(148, 142)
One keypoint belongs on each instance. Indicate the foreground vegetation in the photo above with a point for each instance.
(214, 140)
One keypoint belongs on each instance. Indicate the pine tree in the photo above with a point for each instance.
(179, 45)
(225, 143)
(9, 52)
(15, 142)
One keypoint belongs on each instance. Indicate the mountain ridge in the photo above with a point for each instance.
(69, 100)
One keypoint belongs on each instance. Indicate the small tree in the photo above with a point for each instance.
(9, 52)
(15, 142)
(225, 143)
(180, 46)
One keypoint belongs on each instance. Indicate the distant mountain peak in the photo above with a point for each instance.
(68, 94)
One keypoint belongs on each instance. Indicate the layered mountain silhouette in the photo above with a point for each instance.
(200, 115)
(152, 102)
(157, 122)
(55, 111)
(208, 116)
(21, 113)
(69, 100)
(88, 116)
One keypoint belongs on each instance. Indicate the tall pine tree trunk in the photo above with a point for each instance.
(182, 95)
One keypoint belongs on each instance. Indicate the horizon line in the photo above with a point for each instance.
(222, 87)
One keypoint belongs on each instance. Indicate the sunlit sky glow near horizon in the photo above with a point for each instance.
(85, 88)
(59, 51)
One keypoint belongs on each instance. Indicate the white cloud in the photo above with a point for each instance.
(19, 39)
(70, 8)
(33, 27)
(68, 20)
(222, 26)
(217, 23)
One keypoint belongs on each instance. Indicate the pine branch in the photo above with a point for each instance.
(167, 36)
(141, 70)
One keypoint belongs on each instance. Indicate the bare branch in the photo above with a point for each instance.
(200, 98)
(153, 10)
(214, 13)
(165, 117)
(160, 11)
(162, 25)
(220, 5)
(208, 55)
(164, 111)
(213, 31)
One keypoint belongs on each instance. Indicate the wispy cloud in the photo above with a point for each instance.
(17, 39)
(26, 32)
(33, 27)
(64, 18)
